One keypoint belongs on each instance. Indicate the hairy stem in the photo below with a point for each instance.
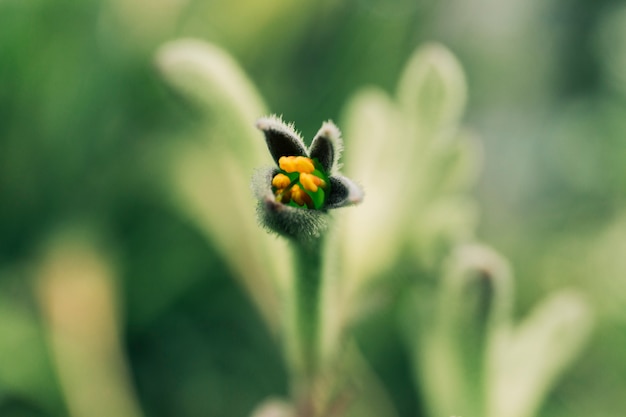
(307, 289)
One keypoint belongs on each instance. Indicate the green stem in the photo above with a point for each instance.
(307, 289)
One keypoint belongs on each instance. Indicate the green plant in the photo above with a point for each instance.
(416, 165)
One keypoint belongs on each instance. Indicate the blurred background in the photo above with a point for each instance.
(85, 121)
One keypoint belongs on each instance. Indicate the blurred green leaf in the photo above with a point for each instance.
(25, 368)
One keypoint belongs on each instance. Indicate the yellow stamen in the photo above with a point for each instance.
(311, 182)
(304, 165)
(300, 197)
(296, 164)
(281, 181)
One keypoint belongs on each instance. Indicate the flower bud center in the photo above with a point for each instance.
(300, 182)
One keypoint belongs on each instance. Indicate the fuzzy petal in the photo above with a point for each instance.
(327, 146)
(292, 222)
(281, 138)
(343, 192)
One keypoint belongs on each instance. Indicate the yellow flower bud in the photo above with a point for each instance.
(310, 182)
(281, 181)
(304, 164)
(291, 164)
(300, 197)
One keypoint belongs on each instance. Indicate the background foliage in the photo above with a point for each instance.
(86, 124)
